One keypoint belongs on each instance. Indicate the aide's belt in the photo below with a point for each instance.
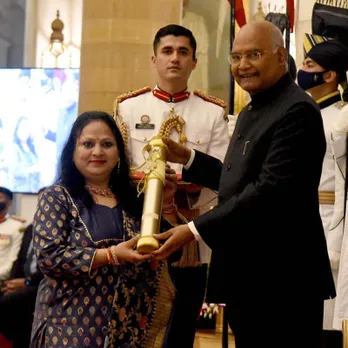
(327, 197)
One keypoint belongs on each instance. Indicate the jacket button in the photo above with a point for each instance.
(250, 107)
(228, 167)
(239, 136)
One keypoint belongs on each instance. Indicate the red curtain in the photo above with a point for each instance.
(239, 12)
(291, 13)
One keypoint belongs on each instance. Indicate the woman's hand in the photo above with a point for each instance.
(125, 252)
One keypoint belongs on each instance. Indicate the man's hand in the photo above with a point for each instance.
(13, 285)
(175, 238)
(177, 153)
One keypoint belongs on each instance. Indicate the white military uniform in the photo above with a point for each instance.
(330, 187)
(338, 237)
(205, 128)
(11, 236)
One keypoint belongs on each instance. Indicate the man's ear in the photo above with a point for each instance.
(153, 60)
(194, 63)
(282, 55)
(330, 76)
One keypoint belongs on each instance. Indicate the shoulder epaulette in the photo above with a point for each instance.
(17, 218)
(341, 104)
(210, 98)
(133, 94)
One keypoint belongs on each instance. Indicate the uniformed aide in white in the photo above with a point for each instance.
(339, 138)
(193, 118)
(324, 68)
(11, 234)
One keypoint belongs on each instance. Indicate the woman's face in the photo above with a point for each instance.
(96, 152)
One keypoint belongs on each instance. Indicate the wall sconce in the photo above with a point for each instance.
(56, 54)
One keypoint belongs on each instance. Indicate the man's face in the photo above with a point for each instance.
(309, 65)
(260, 64)
(174, 59)
(5, 203)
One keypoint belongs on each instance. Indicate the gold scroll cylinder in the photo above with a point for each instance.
(152, 209)
(345, 333)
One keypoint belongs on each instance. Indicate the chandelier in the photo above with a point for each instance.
(56, 54)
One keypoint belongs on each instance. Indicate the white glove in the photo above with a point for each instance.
(340, 126)
(232, 119)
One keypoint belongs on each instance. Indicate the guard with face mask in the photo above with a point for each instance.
(11, 235)
(324, 69)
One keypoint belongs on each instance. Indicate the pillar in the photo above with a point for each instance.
(116, 47)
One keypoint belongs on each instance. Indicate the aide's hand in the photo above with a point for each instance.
(175, 238)
(126, 252)
(177, 153)
(340, 126)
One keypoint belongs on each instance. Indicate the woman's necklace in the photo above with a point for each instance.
(101, 192)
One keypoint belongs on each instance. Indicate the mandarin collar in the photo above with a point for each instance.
(170, 98)
(329, 99)
(272, 92)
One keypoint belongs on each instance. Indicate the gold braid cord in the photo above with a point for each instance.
(152, 166)
(174, 121)
(210, 98)
(118, 118)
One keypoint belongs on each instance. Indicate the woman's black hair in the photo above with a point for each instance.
(120, 182)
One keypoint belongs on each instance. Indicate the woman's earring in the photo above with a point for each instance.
(118, 168)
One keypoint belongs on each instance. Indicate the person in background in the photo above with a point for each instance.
(26, 177)
(270, 262)
(20, 293)
(324, 68)
(85, 229)
(339, 143)
(11, 235)
(169, 106)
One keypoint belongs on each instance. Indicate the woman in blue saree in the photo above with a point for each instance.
(97, 291)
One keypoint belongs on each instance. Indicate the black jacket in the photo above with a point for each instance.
(266, 233)
(20, 267)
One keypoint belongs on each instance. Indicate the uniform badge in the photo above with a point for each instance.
(5, 239)
(145, 123)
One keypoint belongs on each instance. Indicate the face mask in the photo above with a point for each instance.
(307, 80)
(2, 205)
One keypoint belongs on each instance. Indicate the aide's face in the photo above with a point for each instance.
(96, 152)
(310, 65)
(256, 75)
(4, 200)
(174, 58)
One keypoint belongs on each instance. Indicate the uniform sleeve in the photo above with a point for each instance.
(335, 235)
(56, 254)
(219, 137)
(5, 267)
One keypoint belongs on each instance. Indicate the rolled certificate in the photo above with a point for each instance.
(153, 193)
